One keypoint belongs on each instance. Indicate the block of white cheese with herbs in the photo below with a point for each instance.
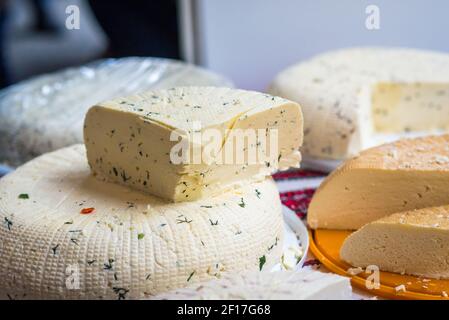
(66, 235)
(361, 97)
(188, 143)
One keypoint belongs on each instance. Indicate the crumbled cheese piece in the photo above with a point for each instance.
(291, 257)
(354, 271)
(400, 288)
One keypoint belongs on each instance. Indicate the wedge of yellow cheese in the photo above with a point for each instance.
(405, 175)
(413, 242)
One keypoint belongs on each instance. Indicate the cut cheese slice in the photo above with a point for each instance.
(66, 235)
(413, 242)
(305, 284)
(229, 137)
(405, 175)
(357, 98)
(47, 112)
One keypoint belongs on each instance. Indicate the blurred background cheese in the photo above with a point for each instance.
(59, 221)
(360, 97)
(412, 242)
(404, 175)
(129, 140)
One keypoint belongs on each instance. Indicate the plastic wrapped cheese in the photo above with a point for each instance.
(47, 112)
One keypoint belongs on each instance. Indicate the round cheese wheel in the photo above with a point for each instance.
(361, 97)
(66, 235)
(47, 112)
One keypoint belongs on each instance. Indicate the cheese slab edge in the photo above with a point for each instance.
(404, 175)
(129, 140)
(304, 284)
(66, 235)
(413, 242)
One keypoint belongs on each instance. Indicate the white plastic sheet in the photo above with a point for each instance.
(47, 112)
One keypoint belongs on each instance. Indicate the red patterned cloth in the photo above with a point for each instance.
(297, 174)
(298, 187)
(299, 198)
(298, 201)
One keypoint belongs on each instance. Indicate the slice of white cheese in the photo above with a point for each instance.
(47, 112)
(129, 140)
(66, 235)
(405, 175)
(358, 97)
(305, 284)
(413, 242)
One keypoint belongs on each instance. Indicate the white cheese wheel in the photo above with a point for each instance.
(47, 112)
(131, 245)
(361, 97)
(413, 242)
(306, 284)
(129, 140)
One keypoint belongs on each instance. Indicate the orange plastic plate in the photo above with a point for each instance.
(326, 244)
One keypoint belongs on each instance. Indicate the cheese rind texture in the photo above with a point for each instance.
(305, 284)
(413, 242)
(405, 175)
(357, 98)
(66, 235)
(130, 140)
(47, 112)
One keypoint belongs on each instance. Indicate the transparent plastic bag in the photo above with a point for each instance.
(47, 112)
